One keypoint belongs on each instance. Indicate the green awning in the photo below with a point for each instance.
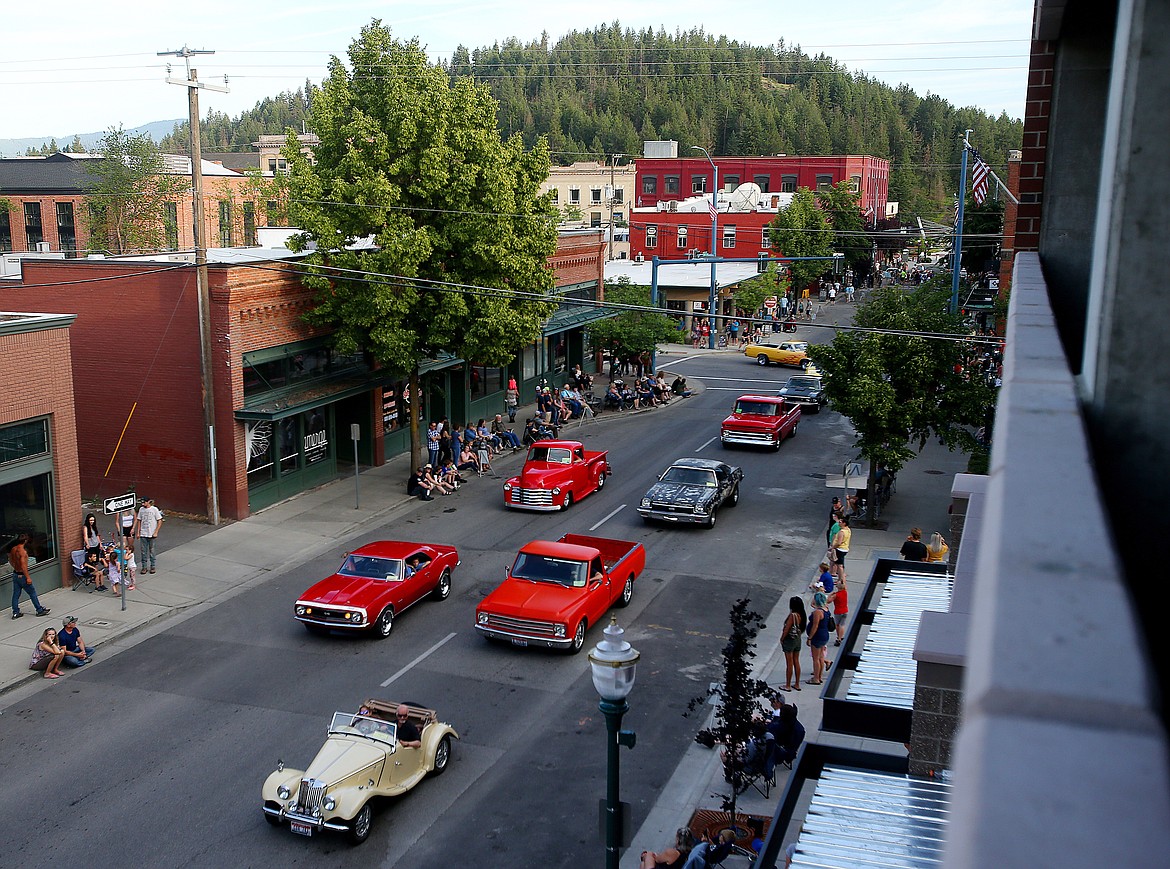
(570, 316)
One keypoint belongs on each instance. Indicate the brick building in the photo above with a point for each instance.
(39, 487)
(284, 399)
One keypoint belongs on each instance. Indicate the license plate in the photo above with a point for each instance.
(516, 642)
(301, 829)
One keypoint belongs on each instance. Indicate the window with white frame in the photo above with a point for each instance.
(682, 238)
(698, 184)
(594, 195)
(652, 236)
(574, 195)
(766, 238)
(729, 236)
(787, 183)
(763, 182)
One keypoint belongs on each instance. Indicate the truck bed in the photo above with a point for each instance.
(612, 551)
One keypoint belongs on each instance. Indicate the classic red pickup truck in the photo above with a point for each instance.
(760, 420)
(556, 474)
(557, 591)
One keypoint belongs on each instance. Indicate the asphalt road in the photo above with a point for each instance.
(156, 756)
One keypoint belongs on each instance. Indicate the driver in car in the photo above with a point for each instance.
(408, 735)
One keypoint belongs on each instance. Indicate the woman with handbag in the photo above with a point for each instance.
(790, 642)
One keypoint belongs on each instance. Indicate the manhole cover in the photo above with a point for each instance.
(104, 624)
(934, 472)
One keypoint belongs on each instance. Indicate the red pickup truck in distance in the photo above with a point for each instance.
(555, 475)
(760, 420)
(556, 591)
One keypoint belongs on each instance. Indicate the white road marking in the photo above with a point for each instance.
(421, 657)
(607, 518)
(700, 449)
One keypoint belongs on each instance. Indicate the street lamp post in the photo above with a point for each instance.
(613, 663)
(714, 241)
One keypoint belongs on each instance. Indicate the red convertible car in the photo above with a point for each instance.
(375, 584)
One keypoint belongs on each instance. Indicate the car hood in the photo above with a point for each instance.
(680, 493)
(342, 591)
(751, 420)
(343, 756)
(527, 599)
(543, 475)
(801, 390)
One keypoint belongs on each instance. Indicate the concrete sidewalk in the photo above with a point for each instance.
(922, 499)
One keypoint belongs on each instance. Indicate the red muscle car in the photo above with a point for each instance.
(375, 584)
(556, 474)
(556, 591)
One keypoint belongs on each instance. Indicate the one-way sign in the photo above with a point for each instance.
(122, 502)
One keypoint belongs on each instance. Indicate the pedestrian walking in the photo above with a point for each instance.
(21, 581)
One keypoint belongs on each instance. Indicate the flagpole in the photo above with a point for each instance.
(957, 251)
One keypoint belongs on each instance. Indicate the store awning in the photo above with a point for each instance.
(570, 316)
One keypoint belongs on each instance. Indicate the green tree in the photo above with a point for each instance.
(802, 230)
(899, 390)
(413, 159)
(842, 206)
(128, 189)
(631, 332)
(982, 231)
(750, 294)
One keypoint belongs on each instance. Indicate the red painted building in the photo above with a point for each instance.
(669, 220)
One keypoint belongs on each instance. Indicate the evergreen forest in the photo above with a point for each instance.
(605, 91)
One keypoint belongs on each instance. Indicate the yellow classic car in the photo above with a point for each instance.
(794, 353)
(364, 756)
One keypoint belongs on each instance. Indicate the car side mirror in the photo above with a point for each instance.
(280, 766)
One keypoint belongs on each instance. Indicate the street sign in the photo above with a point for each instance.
(122, 502)
(771, 302)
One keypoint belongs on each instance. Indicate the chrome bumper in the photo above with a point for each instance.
(538, 508)
(666, 516)
(336, 626)
(524, 639)
(318, 823)
(751, 440)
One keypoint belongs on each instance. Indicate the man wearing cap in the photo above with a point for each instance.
(146, 528)
(77, 653)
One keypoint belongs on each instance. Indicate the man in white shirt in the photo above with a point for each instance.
(146, 527)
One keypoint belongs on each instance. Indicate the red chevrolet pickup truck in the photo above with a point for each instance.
(760, 420)
(555, 475)
(556, 591)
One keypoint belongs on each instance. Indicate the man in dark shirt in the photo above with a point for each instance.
(408, 735)
(77, 653)
(914, 549)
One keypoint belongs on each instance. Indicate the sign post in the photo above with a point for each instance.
(355, 434)
(117, 505)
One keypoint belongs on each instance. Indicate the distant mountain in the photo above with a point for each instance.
(16, 147)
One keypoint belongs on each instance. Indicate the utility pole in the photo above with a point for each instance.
(957, 253)
(192, 83)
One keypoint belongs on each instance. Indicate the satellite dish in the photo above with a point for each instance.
(745, 197)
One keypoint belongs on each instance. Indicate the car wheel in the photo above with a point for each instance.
(711, 521)
(601, 481)
(359, 827)
(444, 585)
(316, 630)
(578, 638)
(627, 592)
(272, 819)
(734, 499)
(385, 623)
(568, 500)
(762, 359)
(792, 433)
(442, 755)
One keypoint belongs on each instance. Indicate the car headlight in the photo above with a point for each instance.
(355, 618)
(645, 502)
(558, 630)
(481, 618)
(329, 803)
(283, 792)
(556, 490)
(301, 610)
(507, 487)
(700, 509)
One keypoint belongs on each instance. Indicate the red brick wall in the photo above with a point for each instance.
(1035, 146)
(135, 346)
(38, 381)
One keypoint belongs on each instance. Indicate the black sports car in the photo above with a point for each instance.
(692, 490)
(805, 390)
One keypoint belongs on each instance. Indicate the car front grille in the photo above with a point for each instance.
(333, 616)
(510, 625)
(762, 437)
(532, 497)
(310, 795)
(659, 507)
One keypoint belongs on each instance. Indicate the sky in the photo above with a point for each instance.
(89, 66)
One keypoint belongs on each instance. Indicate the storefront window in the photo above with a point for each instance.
(290, 444)
(528, 363)
(486, 380)
(316, 437)
(26, 507)
(558, 352)
(395, 413)
(258, 443)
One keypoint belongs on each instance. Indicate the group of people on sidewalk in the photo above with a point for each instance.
(57, 648)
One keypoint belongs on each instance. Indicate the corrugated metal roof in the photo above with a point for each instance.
(860, 818)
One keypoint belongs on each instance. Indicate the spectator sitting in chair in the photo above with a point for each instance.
(711, 852)
(506, 435)
(787, 736)
(570, 403)
(645, 394)
(95, 569)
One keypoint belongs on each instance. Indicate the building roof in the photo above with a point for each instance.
(682, 274)
(237, 161)
(13, 322)
(57, 173)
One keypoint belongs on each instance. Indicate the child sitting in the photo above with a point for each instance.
(95, 571)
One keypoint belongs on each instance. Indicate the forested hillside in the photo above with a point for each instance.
(605, 91)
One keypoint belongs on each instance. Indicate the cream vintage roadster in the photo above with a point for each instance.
(361, 759)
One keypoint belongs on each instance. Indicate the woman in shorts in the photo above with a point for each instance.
(790, 642)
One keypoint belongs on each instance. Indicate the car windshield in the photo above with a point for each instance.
(556, 455)
(690, 477)
(359, 724)
(371, 567)
(767, 408)
(805, 382)
(545, 568)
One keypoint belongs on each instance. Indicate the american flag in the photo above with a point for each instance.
(979, 178)
(712, 207)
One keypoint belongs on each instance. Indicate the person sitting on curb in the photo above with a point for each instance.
(431, 480)
(77, 653)
(418, 486)
(672, 856)
(47, 655)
